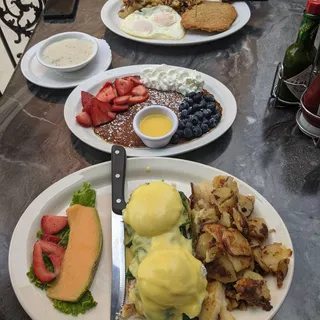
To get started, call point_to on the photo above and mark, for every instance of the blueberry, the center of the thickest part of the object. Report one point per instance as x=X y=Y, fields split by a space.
x=206 y=113
x=203 y=104
x=208 y=97
x=195 y=120
x=209 y=112
x=217 y=117
x=197 y=132
x=212 y=123
x=184 y=114
x=188 y=133
x=205 y=121
x=199 y=114
x=188 y=100
x=181 y=125
x=190 y=94
x=189 y=125
x=179 y=133
x=196 y=107
x=197 y=97
x=204 y=127
x=212 y=106
x=183 y=106
x=190 y=110
x=175 y=139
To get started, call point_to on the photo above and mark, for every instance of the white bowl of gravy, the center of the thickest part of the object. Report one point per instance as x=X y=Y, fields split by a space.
x=155 y=125
x=68 y=51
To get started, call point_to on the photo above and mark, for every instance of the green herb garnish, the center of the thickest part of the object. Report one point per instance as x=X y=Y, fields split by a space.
x=84 y=196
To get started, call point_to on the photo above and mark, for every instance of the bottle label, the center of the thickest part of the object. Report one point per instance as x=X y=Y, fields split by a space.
x=298 y=83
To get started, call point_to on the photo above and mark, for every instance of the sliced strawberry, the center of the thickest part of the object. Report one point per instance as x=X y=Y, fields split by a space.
x=50 y=237
x=53 y=224
x=135 y=81
x=98 y=116
x=56 y=261
x=112 y=115
x=107 y=84
x=121 y=100
x=84 y=119
x=38 y=266
x=49 y=247
x=138 y=99
x=120 y=108
x=139 y=90
x=103 y=105
x=106 y=94
x=123 y=86
x=115 y=91
x=86 y=98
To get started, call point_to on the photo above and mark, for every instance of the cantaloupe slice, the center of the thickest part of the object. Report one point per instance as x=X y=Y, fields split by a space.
x=82 y=254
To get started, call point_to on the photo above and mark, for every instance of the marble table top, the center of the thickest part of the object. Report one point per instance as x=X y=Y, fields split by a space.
x=264 y=148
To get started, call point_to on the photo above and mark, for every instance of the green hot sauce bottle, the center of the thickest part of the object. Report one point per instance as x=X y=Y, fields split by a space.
x=299 y=57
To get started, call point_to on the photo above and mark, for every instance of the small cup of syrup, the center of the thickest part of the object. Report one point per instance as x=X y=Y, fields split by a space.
x=155 y=125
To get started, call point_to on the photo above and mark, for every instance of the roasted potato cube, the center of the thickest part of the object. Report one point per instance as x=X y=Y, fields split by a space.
x=254 y=292
x=221 y=269
x=225 y=181
x=220 y=195
x=240 y=222
x=240 y=262
x=232 y=304
x=212 y=254
x=270 y=256
x=128 y=310
x=225 y=314
x=235 y=243
x=282 y=271
x=216 y=230
x=212 y=304
x=245 y=204
x=228 y=205
x=202 y=190
x=225 y=219
x=258 y=229
x=203 y=244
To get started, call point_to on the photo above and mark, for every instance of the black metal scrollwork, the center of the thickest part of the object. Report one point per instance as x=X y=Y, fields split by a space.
x=14 y=20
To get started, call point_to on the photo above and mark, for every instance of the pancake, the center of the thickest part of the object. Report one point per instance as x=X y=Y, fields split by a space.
x=209 y=16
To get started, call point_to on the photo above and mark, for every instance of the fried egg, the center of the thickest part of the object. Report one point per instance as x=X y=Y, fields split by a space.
x=160 y=22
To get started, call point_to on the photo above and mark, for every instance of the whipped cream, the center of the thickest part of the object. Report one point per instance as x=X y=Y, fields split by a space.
x=166 y=78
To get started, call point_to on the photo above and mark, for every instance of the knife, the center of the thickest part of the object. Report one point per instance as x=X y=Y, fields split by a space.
x=118 y=172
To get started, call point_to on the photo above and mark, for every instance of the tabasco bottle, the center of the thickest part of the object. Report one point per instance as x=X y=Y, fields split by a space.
x=299 y=57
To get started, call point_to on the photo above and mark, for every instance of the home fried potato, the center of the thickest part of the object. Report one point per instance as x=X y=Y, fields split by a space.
x=258 y=229
x=235 y=243
x=240 y=262
x=221 y=269
x=240 y=221
x=245 y=204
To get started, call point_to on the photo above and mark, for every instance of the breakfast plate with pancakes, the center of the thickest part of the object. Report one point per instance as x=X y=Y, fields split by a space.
x=168 y=25
x=165 y=177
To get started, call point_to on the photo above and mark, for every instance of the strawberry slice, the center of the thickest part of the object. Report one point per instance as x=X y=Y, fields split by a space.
x=112 y=115
x=135 y=80
x=123 y=86
x=107 y=93
x=104 y=106
x=38 y=266
x=120 y=108
x=100 y=117
x=56 y=261
x=50 y=237
x=49 y=247
x=138 y=99
x=139 y=90
x=86 y=98
x=84 y=119
x=121 y=100
x=53 y=224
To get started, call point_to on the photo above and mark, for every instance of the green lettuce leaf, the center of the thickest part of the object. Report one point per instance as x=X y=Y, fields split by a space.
x=64 y=235
x=75 y=308
x=39 y=234
x=84 y=196
x=33 y=279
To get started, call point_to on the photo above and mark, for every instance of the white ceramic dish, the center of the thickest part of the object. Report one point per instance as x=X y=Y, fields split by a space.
x=56 y=199
x=65 y=36
x=73 y=107
x=45 y=77
x=155 y=142
x=109 y=16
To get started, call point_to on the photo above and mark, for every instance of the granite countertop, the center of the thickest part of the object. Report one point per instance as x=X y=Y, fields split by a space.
x=264 y=148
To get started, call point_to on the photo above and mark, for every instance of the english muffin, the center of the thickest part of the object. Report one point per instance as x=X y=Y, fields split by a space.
x=209 y=16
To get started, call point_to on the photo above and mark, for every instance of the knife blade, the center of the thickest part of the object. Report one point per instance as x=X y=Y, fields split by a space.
x=118 y=172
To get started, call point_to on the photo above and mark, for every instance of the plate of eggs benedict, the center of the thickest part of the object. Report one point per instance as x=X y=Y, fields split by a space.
x=199 y=244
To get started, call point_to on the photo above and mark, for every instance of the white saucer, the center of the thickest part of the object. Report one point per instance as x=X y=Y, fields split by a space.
x=306 y=127
x=45 y=77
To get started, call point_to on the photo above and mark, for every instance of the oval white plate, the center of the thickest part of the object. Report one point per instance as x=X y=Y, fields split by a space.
x=109 y=16
x=73 y=107
x=45 y=77
x=56 y=199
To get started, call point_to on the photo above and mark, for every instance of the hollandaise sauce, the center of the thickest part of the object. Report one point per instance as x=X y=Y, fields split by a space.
x=155 y=125
x=169 y=280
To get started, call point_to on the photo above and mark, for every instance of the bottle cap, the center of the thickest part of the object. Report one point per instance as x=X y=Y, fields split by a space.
x=313 y=7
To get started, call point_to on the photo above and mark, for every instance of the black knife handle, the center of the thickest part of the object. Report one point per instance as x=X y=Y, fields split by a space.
x=118 y=172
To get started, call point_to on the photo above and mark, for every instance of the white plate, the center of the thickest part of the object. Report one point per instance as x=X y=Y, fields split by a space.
x=109 y=16
x=73 y=107
x=48 y=78
x=56 y=199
